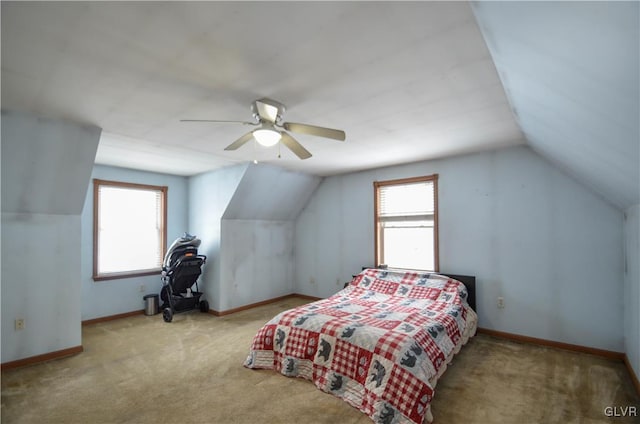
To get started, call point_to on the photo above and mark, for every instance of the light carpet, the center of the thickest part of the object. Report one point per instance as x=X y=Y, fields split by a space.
x=142 y=370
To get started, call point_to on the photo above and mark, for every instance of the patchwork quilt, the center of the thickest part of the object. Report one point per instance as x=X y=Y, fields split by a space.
x=380 y=344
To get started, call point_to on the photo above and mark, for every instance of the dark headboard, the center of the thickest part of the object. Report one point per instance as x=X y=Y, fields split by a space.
x=470 y=283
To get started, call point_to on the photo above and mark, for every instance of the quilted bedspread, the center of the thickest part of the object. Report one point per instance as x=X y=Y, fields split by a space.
x=380 y=344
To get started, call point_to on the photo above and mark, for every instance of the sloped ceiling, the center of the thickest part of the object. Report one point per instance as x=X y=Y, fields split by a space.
x=270 y=193
x=46 y=164
x=571 y=73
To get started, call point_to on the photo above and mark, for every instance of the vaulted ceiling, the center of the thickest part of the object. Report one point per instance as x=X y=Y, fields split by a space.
x=571 y=72
x=406 y=81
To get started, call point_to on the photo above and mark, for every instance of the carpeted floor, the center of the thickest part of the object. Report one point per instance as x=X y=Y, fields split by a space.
x=142 y=370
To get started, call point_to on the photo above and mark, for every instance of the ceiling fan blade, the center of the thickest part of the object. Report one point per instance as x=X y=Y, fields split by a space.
x=294 y=146
x=314 y=130
x=239 y=142
x=218 y=121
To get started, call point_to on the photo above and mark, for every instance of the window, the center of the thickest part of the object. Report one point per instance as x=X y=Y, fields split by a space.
x=406 y=223
x=129 y=232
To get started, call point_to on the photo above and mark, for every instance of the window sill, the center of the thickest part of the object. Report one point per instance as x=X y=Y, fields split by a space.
x=126 y=274
x=420 y=271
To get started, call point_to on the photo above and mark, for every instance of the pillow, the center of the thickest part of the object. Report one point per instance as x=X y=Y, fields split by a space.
x=397 y=276
x=409 y=284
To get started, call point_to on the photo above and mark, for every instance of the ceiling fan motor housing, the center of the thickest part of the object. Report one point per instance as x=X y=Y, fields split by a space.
x=268 y=110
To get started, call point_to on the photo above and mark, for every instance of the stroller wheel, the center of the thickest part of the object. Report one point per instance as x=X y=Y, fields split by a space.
x=167 y=314
x=204 y=306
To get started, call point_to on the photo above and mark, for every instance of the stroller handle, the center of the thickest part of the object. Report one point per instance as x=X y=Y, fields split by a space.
x=183 y=259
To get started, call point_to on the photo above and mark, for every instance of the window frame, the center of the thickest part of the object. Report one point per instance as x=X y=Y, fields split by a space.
x=163 y=190
x=433 y=178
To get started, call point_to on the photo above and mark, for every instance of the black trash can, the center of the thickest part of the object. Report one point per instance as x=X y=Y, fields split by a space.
x=151 y=302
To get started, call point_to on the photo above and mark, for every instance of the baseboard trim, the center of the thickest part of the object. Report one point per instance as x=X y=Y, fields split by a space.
x=211 y=311
x=619 y=356
x=634 y=377
x=261 y=303
x=112 y=317
x=306 y=296
x=41 y=358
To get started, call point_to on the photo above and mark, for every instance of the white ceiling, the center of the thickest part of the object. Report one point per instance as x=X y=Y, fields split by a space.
x=406 y=81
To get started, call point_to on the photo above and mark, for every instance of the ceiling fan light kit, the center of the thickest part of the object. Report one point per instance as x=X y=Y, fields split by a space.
x=268 y=114
x=267 y=136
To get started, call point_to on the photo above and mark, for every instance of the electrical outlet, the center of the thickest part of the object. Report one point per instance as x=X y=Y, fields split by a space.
x=19 y=324
x=501 y=302
x=312 y=280
x=142 y=288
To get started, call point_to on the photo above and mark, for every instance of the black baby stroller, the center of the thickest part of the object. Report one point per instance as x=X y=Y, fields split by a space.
x=180 y=271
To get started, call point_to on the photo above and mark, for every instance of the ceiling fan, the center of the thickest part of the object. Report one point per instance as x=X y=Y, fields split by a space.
x=268 y=114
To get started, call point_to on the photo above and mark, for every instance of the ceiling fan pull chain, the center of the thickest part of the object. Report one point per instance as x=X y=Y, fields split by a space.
x=255 y=161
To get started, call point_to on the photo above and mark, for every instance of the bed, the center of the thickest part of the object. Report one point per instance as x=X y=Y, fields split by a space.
x=380 y=344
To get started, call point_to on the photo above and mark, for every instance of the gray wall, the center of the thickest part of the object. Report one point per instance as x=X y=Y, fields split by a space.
x=245 y=217
x=209 y=195
x=258 y=234
x=632 y=287
x=548 y=245
x=46 y=165
x=257 y=261
x=111 y=297
x=552 y=248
